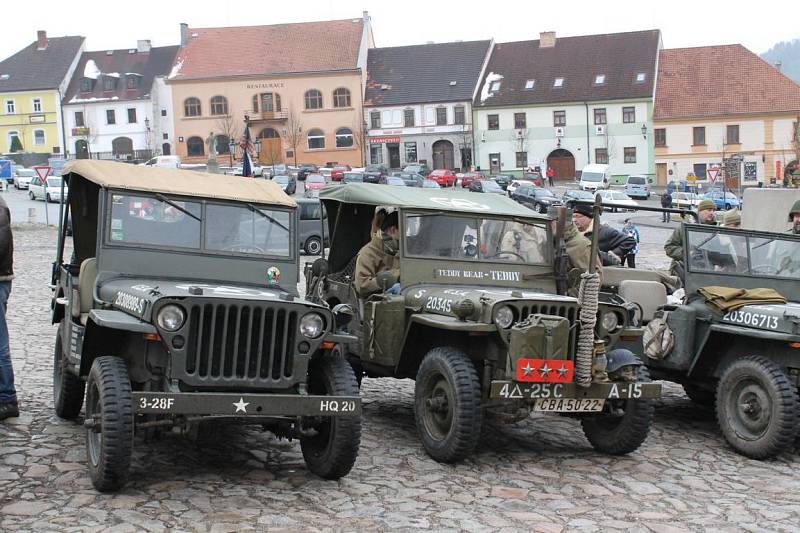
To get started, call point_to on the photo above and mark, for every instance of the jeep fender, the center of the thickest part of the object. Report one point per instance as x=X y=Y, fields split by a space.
x=106 y=333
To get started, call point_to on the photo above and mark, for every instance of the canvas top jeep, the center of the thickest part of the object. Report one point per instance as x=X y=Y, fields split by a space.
x=179 y=305
x=481 y=323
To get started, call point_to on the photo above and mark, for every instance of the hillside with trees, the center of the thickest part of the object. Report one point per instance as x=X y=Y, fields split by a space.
x=788 y=53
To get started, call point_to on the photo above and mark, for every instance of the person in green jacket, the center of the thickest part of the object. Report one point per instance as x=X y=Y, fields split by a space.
x=674 y=245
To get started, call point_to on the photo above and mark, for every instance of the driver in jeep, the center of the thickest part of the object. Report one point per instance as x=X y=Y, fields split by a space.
x=379 y=254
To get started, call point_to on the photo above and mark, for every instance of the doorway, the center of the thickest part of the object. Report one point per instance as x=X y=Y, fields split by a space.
x=271 y=147
x=494 y=163
x=165 y=149
x=563 y=164
x=394 y=155
x=443 y=155
x=81 y=149
x=661 y=174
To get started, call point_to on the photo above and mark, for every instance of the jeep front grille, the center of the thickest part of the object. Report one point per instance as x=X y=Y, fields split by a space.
x=233 y=344
x=524 y=309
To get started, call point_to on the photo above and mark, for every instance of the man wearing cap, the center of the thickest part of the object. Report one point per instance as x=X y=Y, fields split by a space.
x=674 y=245
x=794 y=218
x=732 y=219
x=612 y=245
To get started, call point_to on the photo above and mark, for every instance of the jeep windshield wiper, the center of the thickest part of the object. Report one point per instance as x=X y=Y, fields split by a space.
x=177 y=206
x=268 y=217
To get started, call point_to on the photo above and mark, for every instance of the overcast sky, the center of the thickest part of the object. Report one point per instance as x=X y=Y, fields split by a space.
x=110 y=25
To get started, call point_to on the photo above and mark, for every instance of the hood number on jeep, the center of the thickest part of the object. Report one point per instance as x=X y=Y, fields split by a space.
x=129 y=302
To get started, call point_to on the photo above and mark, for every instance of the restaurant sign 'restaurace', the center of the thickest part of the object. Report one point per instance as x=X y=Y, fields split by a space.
x=376 y=140
x=269 y=85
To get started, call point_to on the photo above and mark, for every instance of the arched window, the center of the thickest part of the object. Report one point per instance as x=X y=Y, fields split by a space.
x=341 y=97
x=219 y=105
x=344 y=138
x=313 y=99
x=222 y=144
x=316 y=139
x=268 y=133
x=194 y=146
x=191 y=107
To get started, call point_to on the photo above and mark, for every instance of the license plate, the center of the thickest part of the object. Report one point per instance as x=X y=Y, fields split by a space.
x=569 y=405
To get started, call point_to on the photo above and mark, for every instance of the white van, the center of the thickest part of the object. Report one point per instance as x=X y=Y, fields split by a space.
x=594 y=177
x=165 y=161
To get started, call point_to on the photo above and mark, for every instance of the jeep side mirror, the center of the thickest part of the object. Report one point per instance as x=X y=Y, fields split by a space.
x=385 y=280
x=343 y=314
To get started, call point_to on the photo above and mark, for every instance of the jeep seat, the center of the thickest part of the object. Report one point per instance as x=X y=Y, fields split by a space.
x=86 y=279
x=614 y=276
x=649 y=294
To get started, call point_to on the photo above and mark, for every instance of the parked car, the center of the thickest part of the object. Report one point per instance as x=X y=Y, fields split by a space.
x=23 y=177
x=164 y=161
x=430 y=184
x=417 y=168
x=373 y=173
x=394 y=180
x=723 y=199
x=577 y=194
x=305 y=170
x=325 y=171
x=410 y=179
x=618 y=198
x=594 y=177
x=486 y=186
x=637 y=186
x=527 y=179
x=287 y=183
x=51 y=192
x=354 y=177
x=503 y=180
x=443 y=176
x=537 y=198
x=535 y=177
x=310 y=230
x=467 y=178
x=314 y=182
x=685 y=200
x=338 y=171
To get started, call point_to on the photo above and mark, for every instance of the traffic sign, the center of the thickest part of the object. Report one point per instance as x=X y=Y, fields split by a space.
x=42 y=172
x=712 y=173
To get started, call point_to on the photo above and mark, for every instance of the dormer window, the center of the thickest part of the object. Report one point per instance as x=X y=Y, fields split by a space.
x=641 y=77
x=86 y=85
x=558 y=82
x=495 y=86
x=600 y=79
x=109 y=83
x=530 y=84
x=133 y=81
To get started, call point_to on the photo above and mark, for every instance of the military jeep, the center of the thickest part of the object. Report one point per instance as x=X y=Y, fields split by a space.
x=179 y=306
x=484 y=331
x=742 y=357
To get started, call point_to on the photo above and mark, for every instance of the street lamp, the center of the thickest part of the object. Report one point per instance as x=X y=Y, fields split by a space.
x=231 y=149
x=644 y=131
x=258 y=147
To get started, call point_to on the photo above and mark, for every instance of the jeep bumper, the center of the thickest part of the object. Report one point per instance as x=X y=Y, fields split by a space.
x=244 y=405
x=518 y=390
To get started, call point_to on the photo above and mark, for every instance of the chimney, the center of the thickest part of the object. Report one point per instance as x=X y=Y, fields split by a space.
x=547 y=39
x=41 y=37
x=779 y=65
x=184 y=34
x=143 y=45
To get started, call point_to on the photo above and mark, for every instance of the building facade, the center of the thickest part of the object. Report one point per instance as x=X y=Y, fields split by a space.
x=31 y=84
x=301 y=97
x=568 y=102
x=722 y=112
x=418 y=103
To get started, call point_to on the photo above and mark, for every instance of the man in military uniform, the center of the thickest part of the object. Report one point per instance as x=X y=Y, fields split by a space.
x=379 y=254
x=674 y=245
x=794 y=218
x=527 y=242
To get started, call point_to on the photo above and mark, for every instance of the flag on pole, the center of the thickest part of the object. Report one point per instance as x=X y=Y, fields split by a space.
x=247 y=149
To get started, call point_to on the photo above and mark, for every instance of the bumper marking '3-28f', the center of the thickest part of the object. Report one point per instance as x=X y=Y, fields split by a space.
x=224 y=404
x=514 y=390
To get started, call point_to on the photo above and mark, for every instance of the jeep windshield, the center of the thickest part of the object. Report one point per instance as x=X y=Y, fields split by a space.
x=209 y=227
x=476 y=239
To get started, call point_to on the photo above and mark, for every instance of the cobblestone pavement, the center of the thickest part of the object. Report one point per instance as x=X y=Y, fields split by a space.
x=539 y=474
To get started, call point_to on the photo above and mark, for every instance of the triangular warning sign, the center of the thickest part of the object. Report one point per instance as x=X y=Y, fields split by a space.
x=42 y=172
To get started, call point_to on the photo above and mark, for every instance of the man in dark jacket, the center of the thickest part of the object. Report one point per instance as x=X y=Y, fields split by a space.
x=612 y=245
x=666 y=202
x=8 y=394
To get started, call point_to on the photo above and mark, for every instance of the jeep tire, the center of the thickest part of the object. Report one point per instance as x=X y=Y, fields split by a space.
x=68 y=389
x=109 y=414
x=313 y=246
x=699 y=395
x=332 y=452
x=621 y=434
x=757 y=407
x=447 y=404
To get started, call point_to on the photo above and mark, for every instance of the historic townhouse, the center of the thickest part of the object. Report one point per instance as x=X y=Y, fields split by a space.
x=723 y=107
x=566 y=102
x=299 y=87
x=117 y=105
x=32 y=82
x=418 y=103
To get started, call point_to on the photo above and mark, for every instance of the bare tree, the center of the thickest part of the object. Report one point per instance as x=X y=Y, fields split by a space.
x=360 y=135
x=230 y=128
x=293 y=131
x=466 y=147
x=611 y=148
x=520 y=138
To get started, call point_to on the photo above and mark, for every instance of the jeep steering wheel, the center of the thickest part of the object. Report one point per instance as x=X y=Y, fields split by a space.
x=765 y=268
x=501 y=252
x=243 y=248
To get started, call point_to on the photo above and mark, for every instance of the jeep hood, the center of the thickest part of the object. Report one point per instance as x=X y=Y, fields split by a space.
x=781 y=318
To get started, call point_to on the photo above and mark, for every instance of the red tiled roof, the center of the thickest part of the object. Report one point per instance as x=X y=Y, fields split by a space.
x=720 y=80
x=262 y=50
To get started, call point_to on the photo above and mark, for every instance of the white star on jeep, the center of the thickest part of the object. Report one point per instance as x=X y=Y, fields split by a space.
x=527 y=369
x=241 y=405
x=562 y=372
x=545 y=370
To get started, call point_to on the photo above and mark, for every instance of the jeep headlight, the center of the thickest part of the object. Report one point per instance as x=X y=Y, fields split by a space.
x=171 y=317
x=311 y=325
x=609 y=321
x=504 y=316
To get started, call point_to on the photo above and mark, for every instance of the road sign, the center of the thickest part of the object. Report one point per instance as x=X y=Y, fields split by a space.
x=712 y=173
x=42 y=172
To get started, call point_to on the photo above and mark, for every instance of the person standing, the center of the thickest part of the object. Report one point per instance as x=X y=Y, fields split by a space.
x=632 y=231
x=612 y=245
x=8 y=394
x=666 y=202
x=550 y=174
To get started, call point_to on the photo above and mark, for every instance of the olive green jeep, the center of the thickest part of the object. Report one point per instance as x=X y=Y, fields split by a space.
x=483 y=324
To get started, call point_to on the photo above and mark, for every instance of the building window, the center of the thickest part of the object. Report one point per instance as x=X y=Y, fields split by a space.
x=316 y=139
x=109 y=83
x=195 y=146
x=37 y=105
x=166 y=136
x=661 y=136
x=700 y=170
x=408 y=118
x=601 y=156
x=628 y=115
x=375 y=154
x=494 y=87
x=459 y=115
x=133 y=81
x=86 y=85
x=341 y=98
x=641 y=77
x=219 y=105
x=14 y=142
x=313 y=99
x=600 y=115
x=522 y=159
x=38 y=137
x=268 y=133
x=699 y=136
x=375 y=120
x=132 y=115
x=269 y=102
x=630 y=154
x=191 y=107
x=559 y=118
x=494 y=122
x=79 y=121
x=732 y=134
x=558 y=82
x=411 y=152
x=530 y=84
x=441 y=116
x=344 y=138
x=163 y=112
x=600 y=79
x=111 y=117
x=520 y=121
x=11 y=107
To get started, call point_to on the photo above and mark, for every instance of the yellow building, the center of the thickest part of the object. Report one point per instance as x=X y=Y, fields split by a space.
x=31 y=84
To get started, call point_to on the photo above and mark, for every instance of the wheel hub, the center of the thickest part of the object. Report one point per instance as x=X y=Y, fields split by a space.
x=752 y=409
